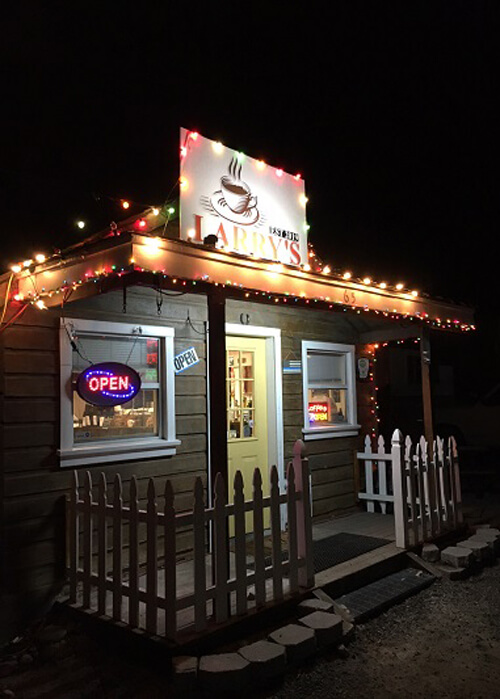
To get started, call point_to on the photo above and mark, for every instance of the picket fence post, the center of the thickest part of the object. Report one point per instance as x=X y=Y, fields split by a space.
x=400 y=493
x=370 y=504
x=304 y=518
x=455 y=476
x=117 y=548
x=258 y=538
x=74 y=535
x=220 y=549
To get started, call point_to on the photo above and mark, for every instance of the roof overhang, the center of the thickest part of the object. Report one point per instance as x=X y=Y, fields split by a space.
x=53 y=281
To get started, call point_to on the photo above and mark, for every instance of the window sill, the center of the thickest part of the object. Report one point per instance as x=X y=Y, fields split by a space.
x=129 y=450
x=330 y=432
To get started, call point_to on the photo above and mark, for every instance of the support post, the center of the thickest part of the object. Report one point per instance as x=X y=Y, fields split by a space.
x=400 y=490
x=425 y=362
x=217 y=386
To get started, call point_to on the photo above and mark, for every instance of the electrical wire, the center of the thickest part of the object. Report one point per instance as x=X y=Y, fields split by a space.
x=6 y=299
x=14 y=318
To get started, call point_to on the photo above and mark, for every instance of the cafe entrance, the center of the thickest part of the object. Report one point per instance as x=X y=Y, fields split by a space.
x=253 y=399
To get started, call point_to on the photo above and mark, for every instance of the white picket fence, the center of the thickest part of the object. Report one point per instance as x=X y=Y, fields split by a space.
x=422 y=483
x=152 y=590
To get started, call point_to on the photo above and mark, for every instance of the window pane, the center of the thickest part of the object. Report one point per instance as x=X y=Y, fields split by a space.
x=137 y=418
x=240 y=394
x=326 y=368
x=141 y=353
x=327 y=406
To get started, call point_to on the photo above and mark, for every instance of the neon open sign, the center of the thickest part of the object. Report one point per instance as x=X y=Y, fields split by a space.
x=108 y=384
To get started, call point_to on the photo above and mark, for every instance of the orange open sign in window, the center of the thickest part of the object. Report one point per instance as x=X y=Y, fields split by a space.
x=319 y=411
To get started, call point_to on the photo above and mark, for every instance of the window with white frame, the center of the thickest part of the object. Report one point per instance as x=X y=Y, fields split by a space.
x=329 y=389
x=141 y=427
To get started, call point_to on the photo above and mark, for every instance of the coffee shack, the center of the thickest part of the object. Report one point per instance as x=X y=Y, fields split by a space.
x=188 y=341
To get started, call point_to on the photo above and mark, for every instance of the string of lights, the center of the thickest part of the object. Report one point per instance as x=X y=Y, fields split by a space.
x=37 y=298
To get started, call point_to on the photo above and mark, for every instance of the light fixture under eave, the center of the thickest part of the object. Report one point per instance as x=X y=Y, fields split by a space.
x=347 y=275
x=399 y=286
x=367 y=280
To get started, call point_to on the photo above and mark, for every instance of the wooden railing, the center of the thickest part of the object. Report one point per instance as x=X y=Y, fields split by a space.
x=122 y=559
x=422 y=483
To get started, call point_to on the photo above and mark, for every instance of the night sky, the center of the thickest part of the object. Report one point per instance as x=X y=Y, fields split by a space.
x=387 y=109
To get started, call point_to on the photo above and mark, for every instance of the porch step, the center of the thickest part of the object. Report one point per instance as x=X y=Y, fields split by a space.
x=378 y=596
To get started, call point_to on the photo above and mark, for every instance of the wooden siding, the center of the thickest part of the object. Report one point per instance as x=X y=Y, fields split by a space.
x=331 y=460
x=33 y=483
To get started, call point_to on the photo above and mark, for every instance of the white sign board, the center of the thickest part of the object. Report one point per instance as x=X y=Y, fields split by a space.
x=253 y=208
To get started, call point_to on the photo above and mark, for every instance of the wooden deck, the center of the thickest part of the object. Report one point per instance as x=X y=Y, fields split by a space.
x=365 y=523
x=372 y=524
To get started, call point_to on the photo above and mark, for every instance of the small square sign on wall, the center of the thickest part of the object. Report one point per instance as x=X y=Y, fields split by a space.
x=185 y=360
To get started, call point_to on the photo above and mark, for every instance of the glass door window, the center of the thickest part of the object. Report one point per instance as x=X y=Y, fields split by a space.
x=240 y=383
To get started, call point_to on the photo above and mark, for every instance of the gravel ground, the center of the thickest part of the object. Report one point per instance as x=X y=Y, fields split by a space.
x=444 y=642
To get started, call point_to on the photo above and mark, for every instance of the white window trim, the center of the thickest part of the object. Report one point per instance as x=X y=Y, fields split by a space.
x=349 y=428
x=117 y=450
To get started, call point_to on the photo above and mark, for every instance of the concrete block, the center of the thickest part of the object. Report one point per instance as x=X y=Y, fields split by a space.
x=298 y=641
x=480 y=550
x=267 y=660
x=224 y=672
x=430 y=553
x=185 y=669
x=314 y=605
x=456 y=556
x=327 y=627
x=450 y=572
x=348 y=631
x=339 y=609
x=490 y=536
x=51 y=634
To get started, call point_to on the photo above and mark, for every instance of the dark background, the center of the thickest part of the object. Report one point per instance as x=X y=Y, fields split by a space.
x=388 y=109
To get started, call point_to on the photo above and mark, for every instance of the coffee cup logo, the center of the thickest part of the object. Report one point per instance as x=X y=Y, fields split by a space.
x=235 y=201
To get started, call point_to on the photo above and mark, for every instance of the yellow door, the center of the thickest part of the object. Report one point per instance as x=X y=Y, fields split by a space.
x=247 y=418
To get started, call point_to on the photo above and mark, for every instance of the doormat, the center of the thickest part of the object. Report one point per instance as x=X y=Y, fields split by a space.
x=338 y=548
